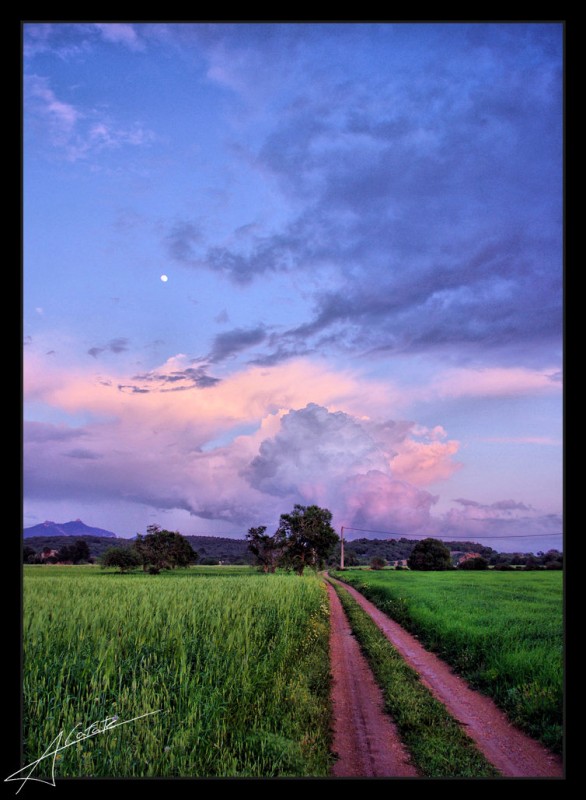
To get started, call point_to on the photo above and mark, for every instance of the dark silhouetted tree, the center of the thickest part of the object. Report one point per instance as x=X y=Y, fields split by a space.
x=162 y=549
x=430 y=554
x=76 y=552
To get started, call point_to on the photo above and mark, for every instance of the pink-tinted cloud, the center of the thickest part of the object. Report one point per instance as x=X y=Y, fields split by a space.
x=173 y=437
x=378 y=501
x=495 y=382
x=245 y=448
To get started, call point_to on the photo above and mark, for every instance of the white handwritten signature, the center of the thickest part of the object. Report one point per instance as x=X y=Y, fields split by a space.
x=74 y=736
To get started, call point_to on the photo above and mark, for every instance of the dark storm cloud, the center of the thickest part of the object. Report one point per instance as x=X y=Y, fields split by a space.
x=433 y=188
x=119 y=345
x=190 y=378
x=232 y=342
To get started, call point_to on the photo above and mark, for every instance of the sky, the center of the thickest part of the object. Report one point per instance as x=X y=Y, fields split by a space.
x=277 y=263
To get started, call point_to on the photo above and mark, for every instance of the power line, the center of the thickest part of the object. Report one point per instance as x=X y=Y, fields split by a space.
x=468 y=538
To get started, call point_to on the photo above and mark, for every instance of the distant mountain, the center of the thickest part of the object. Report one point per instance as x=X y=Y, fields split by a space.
x=74 y=528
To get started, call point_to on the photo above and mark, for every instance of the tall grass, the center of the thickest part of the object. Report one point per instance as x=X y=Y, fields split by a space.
x=238 y=664
x=502 y=631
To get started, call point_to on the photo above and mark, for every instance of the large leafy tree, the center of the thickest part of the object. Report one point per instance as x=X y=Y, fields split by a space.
x=305 y=538
x=430 y=554
x=162 y=549
x=265 y=548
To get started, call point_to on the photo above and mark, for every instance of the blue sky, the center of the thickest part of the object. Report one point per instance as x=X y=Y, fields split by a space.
x=361 y=229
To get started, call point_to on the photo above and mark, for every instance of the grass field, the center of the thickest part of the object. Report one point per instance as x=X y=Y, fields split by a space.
x=502 y=631
x=237 y=662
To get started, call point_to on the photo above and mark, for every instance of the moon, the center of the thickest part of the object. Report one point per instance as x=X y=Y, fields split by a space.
x=164 y=278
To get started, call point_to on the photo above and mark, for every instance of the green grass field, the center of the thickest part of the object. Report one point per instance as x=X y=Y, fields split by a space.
x=502 y=631
x=237 y=662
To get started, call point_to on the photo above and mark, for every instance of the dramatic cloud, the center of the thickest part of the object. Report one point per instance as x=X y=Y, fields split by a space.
x=349 y=466
x=361 y=225
x=380 y=165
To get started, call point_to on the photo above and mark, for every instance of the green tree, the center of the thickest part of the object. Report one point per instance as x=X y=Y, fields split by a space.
x=123 y=558
x=76 y=552
x=430 y=554
x=162 y=549
x=377 y=563
x=265 y=548
x=305 y=538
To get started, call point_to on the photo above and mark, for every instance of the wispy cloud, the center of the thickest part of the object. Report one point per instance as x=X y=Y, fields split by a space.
x=119 y=345
x=121 y=33
x=78 y=133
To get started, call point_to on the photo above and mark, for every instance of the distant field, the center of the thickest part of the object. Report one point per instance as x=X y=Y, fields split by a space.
x=502 y=631
x=237 y=661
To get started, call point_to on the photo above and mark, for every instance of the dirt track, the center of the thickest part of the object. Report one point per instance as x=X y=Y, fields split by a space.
x=365 y=738
x=512 y=752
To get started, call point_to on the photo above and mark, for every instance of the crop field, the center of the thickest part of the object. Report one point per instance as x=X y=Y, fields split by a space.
x=502 y=631
x=236 y=663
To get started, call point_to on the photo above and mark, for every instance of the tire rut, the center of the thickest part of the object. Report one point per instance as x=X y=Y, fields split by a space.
x=365 y=738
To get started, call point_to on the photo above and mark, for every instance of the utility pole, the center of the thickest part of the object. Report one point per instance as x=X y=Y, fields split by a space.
x=342 y=549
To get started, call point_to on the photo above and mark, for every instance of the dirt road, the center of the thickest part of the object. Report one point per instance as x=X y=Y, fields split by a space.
x=512 y=752
x=365 y=738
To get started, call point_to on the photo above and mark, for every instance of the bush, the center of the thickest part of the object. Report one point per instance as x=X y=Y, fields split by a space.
x=124 y=558
x=474 y=563
x=377 y=563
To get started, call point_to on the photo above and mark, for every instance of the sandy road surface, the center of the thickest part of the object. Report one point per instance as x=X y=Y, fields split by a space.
x=365 y=738
x=512 y=752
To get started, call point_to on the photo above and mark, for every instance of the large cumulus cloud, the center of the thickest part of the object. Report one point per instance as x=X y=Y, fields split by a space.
x=345 y=464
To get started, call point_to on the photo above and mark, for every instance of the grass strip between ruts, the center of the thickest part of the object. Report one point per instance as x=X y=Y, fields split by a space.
x=438 y=745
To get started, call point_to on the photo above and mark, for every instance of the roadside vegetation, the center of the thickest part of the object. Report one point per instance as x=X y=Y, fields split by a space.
x=437 y=743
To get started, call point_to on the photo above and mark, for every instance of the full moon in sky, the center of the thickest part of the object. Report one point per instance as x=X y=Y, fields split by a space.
x=164 y=278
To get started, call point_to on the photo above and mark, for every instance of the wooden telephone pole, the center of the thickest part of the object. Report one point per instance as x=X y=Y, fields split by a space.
x=342 y=548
